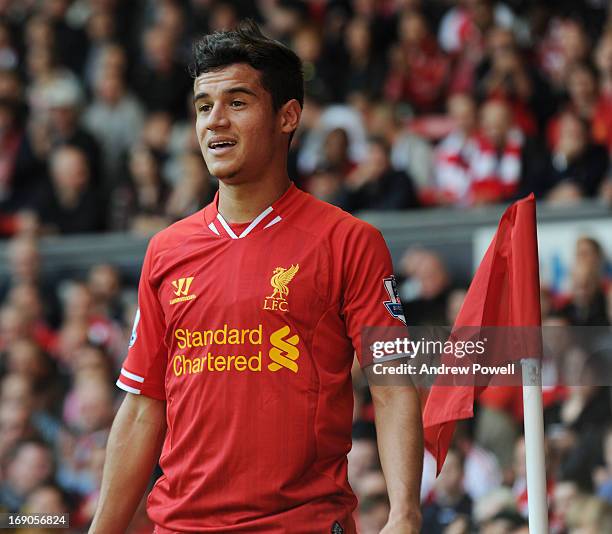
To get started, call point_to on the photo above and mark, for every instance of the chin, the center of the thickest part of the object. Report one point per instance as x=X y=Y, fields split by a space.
x=223 y=171
x=227 y=175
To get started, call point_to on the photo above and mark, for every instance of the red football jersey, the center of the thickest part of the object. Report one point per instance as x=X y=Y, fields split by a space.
x=248 y=332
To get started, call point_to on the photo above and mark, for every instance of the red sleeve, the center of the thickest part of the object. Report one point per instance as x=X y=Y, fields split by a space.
x=144 y=368
x=370 y=297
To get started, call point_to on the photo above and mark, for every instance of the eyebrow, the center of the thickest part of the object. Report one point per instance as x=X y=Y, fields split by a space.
x=232 y=90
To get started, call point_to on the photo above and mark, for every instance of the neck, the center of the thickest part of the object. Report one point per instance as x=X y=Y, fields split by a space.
x=241 y=203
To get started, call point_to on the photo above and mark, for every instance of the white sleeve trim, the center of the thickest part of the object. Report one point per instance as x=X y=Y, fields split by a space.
x=132 y=376
x=129 y=389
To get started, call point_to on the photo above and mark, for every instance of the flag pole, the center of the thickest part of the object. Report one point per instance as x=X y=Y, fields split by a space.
x=534 y=446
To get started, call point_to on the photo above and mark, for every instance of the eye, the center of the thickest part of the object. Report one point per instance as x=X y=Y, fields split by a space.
x=237 y=103
x=204 y=108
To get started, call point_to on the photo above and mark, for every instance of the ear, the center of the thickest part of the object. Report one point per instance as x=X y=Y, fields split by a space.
x=290 y=115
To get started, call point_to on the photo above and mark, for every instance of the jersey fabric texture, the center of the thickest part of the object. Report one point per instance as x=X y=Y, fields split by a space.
x=248 y=333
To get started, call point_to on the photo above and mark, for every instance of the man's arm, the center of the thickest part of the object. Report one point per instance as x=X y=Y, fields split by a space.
x=400 y=444
x=133 y=449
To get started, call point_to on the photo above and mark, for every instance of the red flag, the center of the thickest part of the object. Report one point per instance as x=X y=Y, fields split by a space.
x=505 y=291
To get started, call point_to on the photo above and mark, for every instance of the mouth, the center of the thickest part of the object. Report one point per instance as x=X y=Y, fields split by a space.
x=221 y=146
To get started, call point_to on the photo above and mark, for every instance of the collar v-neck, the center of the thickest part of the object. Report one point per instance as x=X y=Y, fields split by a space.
x=267 y=218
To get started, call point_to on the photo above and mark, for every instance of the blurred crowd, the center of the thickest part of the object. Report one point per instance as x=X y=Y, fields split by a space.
x=482 y=486
x=410 y=104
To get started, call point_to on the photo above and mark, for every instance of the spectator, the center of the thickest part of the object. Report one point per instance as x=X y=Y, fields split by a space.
x=24 y=263
x=16 y=181
x=602 y=475
x=15 y=426
x=374 y=184
x=80 y=309
x=504 y=74
x=448 y=499
x=336 y=154
x=93 y=416
x=498 y=420
x=496 y=165
x=519 y=486
x=454 y=153
x=69 y=204
x=115 y=117
x=320 y=73
x=465 y=25
x=578 y=167
x=100 y=32
x=363 y=456
x=24 y=357
x=583 y=96
x=112 y=60
x=409 y=152
x=71 y=42
x=317 y=121
x=46 y=499
x=373 y=513
x=11 y=87
x=138 y=204
x=499 y=501
x=602 y=123
x=26 y=298
x=590 y=252
x=590 y=514
x=14 y=326
x=29 y=466
x=8 y=51
x=565 y=494
x=72 y=336
x=325 y=184
x=588 y=302
x=193 y=191
x=19 y=394
x=104 y=284
x=481 y=469
x=364 y=68
x=425 y=291
x=61 y=102
x=418 y=70
x=161 y=82
x=584 y=415
x=566 y=43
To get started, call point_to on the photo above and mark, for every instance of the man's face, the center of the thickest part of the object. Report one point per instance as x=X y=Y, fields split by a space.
x=495 y=122
x=238 y=131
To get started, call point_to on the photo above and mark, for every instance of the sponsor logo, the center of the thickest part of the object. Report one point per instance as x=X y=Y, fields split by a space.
x=279 y=282
x=181 y=290
x=284 y=351
x=394 y=304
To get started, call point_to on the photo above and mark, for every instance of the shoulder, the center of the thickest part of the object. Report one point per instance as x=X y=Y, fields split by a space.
x=329 y=221
x=346 y=236
x=174 y=235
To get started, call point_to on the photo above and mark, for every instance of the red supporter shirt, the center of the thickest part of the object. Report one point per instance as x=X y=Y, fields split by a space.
x=248 y=333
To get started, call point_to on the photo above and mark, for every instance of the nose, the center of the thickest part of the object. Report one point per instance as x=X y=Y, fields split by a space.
x=217 y=118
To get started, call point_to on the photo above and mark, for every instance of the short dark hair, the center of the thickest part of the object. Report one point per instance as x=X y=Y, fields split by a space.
x=280 y=67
